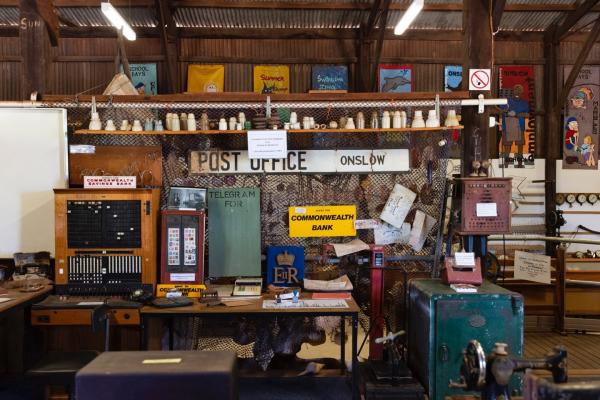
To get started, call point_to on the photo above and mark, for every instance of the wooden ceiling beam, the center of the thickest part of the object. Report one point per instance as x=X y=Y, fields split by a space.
x=295 y=33
x=583 y=55
x=169 y=35
x=497 y=11
x=49 y=15
x=573 y=17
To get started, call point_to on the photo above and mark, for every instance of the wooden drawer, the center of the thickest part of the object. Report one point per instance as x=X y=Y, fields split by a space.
x=119 y=316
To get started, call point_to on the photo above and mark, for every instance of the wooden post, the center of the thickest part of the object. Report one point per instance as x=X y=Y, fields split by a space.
x=477 y=54
x=551 y=136
x=33 y=37
x=561 y=276
x=123 y=54
x=554 y=102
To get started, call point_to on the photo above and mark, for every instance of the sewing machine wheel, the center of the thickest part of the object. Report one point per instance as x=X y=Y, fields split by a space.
x=473 y=367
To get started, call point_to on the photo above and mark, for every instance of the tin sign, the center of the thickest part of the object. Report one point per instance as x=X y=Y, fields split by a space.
x=109 y=182
x=322 y=221
x=301 y=161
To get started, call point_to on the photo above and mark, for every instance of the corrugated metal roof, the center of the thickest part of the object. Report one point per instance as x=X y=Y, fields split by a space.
x=92 y=16
x=266 y=18
x=444 y=20
x=9 y=16
x=297 y=18
x=567 y=2
x=528 y=21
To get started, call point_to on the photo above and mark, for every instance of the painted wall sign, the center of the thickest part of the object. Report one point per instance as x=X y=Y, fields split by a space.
x=143 y=77
x=517 y=84
x=271 y=79
x=395 y=78
x=330 y=77
x=452 y=78
x=300 y=161
x=321 y=221
x=582 y=123
x=285 y=265
x=206 y=78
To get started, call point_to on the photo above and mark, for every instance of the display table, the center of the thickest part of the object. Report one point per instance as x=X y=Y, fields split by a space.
x=12 y=326
x=20 y=299
x=256 y=309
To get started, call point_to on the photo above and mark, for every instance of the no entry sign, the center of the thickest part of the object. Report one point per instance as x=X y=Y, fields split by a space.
x=480 y=79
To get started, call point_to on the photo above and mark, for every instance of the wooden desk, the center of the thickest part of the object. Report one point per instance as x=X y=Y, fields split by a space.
x=255 y=309
x=22 y=299
x=12 y=327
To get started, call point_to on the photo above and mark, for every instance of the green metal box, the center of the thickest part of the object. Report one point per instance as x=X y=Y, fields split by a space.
x=442 y=322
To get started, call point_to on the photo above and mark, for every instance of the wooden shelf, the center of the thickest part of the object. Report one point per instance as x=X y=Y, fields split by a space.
x=217 y=132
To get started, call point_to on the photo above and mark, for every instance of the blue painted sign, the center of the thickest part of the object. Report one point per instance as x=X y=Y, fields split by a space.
x=285 y=265
x=395 y=78
x=452 y=77
x=143 y=77
x=330 y=77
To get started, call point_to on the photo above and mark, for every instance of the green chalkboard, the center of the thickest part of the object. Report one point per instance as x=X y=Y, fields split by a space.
x=234 y=232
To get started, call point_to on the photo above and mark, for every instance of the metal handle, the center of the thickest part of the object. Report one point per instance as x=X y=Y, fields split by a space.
x=444 y=352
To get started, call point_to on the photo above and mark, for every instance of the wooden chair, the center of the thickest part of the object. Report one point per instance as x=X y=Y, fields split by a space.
x=59 y=368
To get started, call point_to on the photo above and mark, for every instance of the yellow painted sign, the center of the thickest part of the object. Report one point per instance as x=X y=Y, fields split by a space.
x=271 y=79
x=320 y=221
x=205 y=78
x=186 y=290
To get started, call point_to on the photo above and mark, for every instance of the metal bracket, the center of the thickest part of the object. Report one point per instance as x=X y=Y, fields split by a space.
x=481 y=107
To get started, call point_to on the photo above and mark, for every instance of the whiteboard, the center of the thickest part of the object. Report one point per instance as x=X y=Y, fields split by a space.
x=33 y=161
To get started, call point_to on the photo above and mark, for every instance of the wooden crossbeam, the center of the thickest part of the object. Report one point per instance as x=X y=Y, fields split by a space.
x=579 y=61
x=168 y=33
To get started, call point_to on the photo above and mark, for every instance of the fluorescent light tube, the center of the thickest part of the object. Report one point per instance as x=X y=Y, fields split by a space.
x=409 y=16
x=117 y=20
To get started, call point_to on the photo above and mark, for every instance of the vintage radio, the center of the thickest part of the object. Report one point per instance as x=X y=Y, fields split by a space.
x=485 y=206
x=182 y=255
x=105 y=240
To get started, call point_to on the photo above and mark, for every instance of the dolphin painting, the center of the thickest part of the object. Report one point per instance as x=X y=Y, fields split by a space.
x=392 y=83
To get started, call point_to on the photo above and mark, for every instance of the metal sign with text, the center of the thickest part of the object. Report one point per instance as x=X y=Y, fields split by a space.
x=300 y=161
x=322 y=221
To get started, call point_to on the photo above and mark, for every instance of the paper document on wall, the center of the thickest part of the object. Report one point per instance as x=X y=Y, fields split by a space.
x=398 y=205
x=422 y=224
x=354 y=246
x=388 y=234
x=532 y=267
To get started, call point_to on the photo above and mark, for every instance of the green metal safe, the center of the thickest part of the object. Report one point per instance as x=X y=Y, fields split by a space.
x=442 y=322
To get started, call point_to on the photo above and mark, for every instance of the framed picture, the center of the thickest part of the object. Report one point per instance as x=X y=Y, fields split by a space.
x=186 y=198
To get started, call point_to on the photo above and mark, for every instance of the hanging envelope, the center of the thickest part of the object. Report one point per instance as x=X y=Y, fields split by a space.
x=422 y=225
